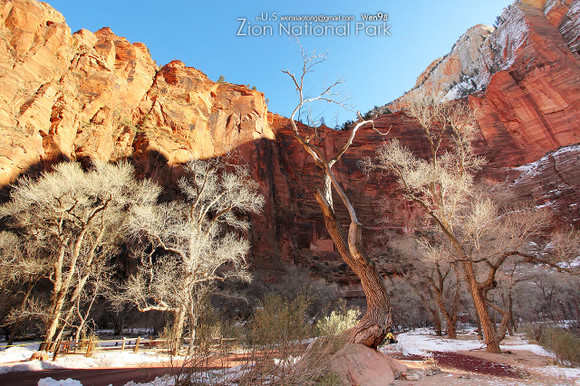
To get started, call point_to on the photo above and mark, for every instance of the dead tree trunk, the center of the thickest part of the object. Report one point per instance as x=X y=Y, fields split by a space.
x=372 y=328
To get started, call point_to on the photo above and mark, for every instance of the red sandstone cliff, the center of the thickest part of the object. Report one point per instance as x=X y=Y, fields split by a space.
x=97 y=95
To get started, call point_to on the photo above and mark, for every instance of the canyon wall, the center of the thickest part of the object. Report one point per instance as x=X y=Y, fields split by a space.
x=95 y=95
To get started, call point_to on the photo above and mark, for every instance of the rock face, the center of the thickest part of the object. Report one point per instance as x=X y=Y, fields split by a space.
x=96 y=95
x=358 y=365
x=521 y=77
x=553 y=181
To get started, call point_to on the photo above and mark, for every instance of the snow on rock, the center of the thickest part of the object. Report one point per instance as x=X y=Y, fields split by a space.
x=552 y=181
x=476 y=56
x=549 y=5
x=59 y=382
x=570 y=28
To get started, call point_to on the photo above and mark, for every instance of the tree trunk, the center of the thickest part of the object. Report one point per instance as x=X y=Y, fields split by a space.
x=372 y=328
x=450 y=320
x=118 y=323
x=177 y=332
x=479 y=332
x=452 y=316
x=53 y=322
x=436 y=322
x=193 y=330
x=492 y=345
x=452 y=329
x=79 y=330
x=510 y=309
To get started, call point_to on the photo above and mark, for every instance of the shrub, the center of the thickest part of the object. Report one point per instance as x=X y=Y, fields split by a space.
x=563 y=342
x=277 y=351
x=279 y=321
x=338 y=321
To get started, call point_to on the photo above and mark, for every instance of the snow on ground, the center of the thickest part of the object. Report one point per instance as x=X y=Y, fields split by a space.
x=58 y=382
x=560 y=372
x=224 y=376
x=165 y=380
x=517 y=343
x=423 y=341
x=16 y=359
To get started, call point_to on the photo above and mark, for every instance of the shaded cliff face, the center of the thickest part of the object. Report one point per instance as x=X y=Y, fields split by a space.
x=96 y=95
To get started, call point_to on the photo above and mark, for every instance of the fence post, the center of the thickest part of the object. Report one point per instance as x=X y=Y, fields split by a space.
x=123 y=345
x=136 y=349
x=90 y=348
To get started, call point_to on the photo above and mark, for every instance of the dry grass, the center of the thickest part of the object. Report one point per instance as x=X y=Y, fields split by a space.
x=563 y=342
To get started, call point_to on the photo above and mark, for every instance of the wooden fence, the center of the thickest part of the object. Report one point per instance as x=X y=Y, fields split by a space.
x=89 y=346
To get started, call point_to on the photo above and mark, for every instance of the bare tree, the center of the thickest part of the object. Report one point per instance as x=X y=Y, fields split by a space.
x=188 y=247
x=477 y=233
x=67 y=224
x=545 y=295
x=373 y=326
x=434 y=278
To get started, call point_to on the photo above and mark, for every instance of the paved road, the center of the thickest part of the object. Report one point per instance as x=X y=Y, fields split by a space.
x=88 y=377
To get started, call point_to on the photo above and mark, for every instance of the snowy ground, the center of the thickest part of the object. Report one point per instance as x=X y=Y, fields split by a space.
x=423 y=342
x=16 y=359
x=221 y=377
x=419 y=342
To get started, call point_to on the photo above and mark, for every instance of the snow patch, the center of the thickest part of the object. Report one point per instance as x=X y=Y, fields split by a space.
x=549 y=5
x=212 y=377
x=509 y=37
x=59 y=382
x=532 y=169
x=15 y=359
x=561 y=372
x=423 y=342
x=572 y=264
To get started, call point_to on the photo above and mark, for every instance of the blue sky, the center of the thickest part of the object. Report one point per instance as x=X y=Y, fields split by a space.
x=375 y=70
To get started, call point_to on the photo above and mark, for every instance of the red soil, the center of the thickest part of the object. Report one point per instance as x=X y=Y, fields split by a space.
x=476 y=365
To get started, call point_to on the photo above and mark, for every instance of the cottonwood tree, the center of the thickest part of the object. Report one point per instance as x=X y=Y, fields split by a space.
x=67 y=223
x=434 y=278
x=372 y=328
x=478 y=234
x=546 y=295
x=442 y=276
x=187 y=247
